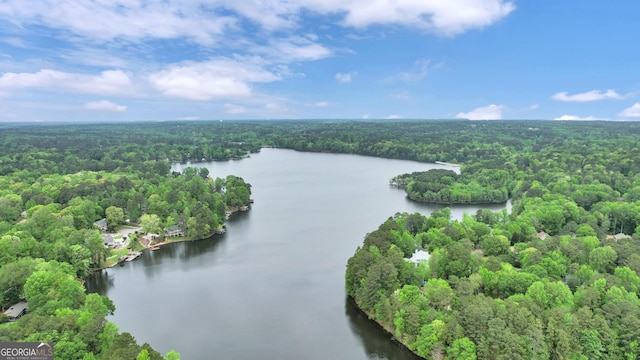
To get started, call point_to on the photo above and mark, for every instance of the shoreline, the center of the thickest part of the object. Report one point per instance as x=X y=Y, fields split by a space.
x=446 y=163
x=231 y=209
x=383 y=327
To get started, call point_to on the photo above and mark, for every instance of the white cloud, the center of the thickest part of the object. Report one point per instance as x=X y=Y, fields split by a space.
x=219 y=78
x=418 y=72
x=394 y=116
x=110 y=82
x=98 y=57
x=293 y=49
x=401 y=95
x=15 y=42
x=104 y=105
x=234 y=109
x=445 y=17
x=534 y=107
x=633 y=111
x=577 y=118
x=207 y=21
x=346 y=77
x=593 y=95
x=123 y=19
x=365 y=116
x=321 y=104
x=491 y=112
x=188 y=118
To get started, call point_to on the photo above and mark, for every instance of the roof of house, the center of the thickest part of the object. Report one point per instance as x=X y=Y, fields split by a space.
x=175 y=228
x=101 y=223
x=542 y=235
x=419 y=256
x=108 y=238
x=17 y=309
x=619 y=236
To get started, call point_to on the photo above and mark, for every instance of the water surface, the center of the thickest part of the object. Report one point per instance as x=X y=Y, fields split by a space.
x=272 y=287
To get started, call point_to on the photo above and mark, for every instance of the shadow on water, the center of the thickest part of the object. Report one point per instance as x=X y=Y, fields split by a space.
x=190 y=252
x=376 y=341
x=99 y=280
x=185 y=252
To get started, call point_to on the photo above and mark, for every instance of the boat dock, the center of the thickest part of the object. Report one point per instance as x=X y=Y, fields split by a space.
x=132 y=256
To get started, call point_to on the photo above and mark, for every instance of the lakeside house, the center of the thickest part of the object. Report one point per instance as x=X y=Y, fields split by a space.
x=174 y=231
x=16 y=311
x=108 y=240
x=419 y=256
x=102 y=224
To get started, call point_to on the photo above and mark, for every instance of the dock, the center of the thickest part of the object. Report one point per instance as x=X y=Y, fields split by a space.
x=132 y=256
x=221 y=231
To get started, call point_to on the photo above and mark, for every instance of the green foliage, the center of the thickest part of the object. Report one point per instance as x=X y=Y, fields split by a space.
x=446 y=187
x=114 y=216
x=498 y=310
x=51 y=287
x=462 y=349
x=494 y=245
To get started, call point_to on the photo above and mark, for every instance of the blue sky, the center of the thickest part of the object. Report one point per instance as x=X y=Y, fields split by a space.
x=125 y=60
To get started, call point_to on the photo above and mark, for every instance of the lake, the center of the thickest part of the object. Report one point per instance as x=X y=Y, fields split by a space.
x=272 y=287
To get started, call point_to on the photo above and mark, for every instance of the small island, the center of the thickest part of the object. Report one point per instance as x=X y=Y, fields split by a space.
x=440 y=186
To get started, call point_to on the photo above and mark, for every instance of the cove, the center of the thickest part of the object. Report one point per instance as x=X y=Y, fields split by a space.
x=272 y=287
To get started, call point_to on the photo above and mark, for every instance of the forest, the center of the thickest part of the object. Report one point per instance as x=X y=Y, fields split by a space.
x=555 y=278
x=49 y=243
x=439 y=186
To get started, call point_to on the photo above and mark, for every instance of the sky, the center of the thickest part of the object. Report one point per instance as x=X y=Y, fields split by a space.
x=134 y=60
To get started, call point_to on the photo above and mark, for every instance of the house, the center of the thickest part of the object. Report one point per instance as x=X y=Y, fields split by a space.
x=102 y=224
x=542 y=235
x=16 y=311
x=620 y=236
x=108 y=240
x=419 y=256
x=174 y=231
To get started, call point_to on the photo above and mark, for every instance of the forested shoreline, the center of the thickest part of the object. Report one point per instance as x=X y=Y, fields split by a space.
x=49 y=240
x=572 y=232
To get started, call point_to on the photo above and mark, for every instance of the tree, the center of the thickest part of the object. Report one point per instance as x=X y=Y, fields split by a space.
x=430 y=337
x=144 y=355
x=494 y=245
x=462 y=349
x=381 y=280
x=80 y=258
x=603 y=259
x=150 y=224
x=124 y=347
x=203 y=172
x=13 y=276
x=172 y=355
x=115 y=216
x=53 y=287
x=439 y=293
x=10 y=208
